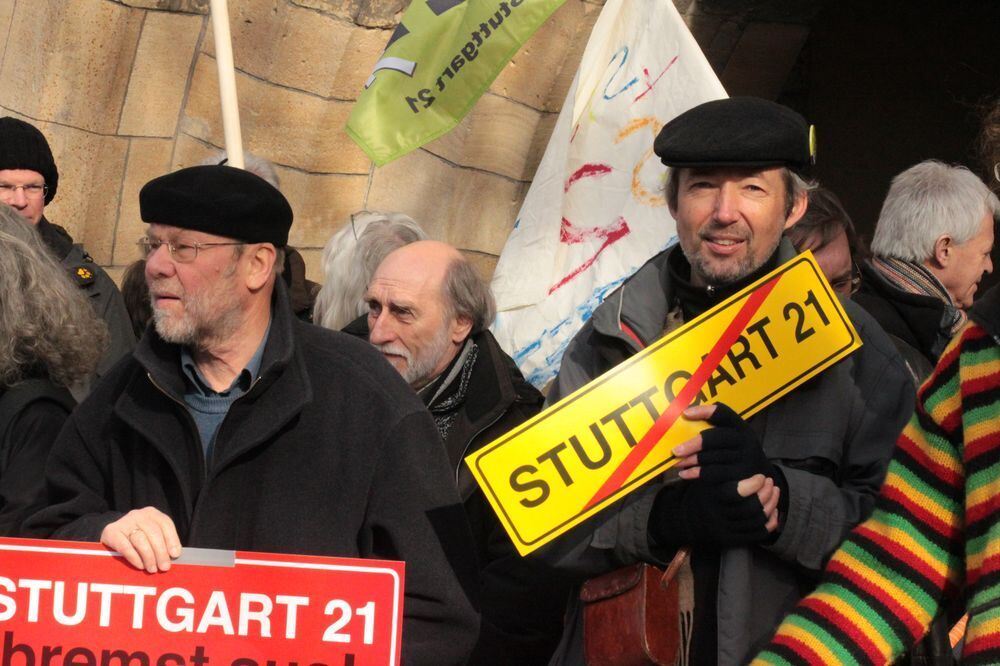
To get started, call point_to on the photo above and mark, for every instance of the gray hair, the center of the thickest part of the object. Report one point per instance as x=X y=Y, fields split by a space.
x=350 y=259
x=468 y=295
x=258 y=166
x=795 y=187
x=927 y=201
x=46 y=323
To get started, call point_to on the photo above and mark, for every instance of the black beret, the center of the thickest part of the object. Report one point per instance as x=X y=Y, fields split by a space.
x=23 y=146
x=738 y=131
x=220 y=200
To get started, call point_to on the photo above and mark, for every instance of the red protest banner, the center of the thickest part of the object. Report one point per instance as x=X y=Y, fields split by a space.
x=73 y=604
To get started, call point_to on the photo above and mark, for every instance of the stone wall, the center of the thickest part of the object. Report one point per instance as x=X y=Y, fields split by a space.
x=126 y=90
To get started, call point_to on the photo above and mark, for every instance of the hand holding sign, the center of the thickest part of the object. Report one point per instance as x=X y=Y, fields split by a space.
x=728 y=452
x=146 y=538
x=621 y=430
x=714 y=514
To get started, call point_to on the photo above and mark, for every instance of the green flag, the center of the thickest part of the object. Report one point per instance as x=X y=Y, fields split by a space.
x=443 y=55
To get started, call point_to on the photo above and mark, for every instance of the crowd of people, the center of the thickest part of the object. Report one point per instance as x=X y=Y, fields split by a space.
x=222 y=400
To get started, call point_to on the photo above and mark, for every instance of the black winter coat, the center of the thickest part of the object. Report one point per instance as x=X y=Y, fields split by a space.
x=523 y=599
x=328 y=453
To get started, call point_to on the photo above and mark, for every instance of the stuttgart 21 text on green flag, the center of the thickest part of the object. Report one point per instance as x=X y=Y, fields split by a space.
x=440 y=59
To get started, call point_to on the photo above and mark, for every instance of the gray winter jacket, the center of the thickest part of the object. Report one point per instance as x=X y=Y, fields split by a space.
x=831 y=437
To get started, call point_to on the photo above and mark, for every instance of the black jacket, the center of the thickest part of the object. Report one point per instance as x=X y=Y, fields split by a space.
x=917 y=324
x=328 y=453
x=31 y=414
x=523 y=601
x=104 y=295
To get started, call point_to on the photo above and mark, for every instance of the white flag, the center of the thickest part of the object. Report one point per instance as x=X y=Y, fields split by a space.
x=595 y=211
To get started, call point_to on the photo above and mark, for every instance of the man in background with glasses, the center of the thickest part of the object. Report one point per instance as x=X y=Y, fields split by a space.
x=28 y=183
x=234 y=425
x=931 y=248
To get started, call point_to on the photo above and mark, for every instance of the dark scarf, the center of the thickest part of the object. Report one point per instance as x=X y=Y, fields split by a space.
x=446 y=394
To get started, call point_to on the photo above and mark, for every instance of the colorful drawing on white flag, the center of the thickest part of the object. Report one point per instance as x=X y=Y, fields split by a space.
x=595 y=211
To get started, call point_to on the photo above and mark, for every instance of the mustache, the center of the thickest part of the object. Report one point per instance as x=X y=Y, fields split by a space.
x=714 y=227
x=394 y=349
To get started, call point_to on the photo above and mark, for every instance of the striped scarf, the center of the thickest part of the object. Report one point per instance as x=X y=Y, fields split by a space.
x=935 y=529
x=913 y=278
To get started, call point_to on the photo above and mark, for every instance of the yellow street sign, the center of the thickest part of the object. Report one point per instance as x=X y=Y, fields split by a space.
x=614 y=434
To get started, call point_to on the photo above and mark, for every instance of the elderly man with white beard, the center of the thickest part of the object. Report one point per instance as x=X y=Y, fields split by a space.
x=236 y=426
x=428 y=313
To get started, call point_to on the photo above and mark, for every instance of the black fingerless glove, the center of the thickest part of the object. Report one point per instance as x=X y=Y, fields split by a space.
x=695 y=513
x=731 y=450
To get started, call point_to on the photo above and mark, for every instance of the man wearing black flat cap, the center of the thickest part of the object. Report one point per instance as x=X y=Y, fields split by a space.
x=29 y=180
x=236 y=426
x=760 y=503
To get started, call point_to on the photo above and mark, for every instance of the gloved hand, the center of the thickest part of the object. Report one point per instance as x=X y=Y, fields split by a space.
x=700 y=513
x=730 y=451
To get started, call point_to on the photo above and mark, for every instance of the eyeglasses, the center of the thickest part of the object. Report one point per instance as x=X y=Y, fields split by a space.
x=183 y=253
x=33 y=191
x=849 y=284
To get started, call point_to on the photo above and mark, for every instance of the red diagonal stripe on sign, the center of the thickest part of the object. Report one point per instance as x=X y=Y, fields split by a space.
x=686 y=395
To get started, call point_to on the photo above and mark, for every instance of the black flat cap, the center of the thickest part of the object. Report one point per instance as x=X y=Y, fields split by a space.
x=220 y=200
x=738 y=131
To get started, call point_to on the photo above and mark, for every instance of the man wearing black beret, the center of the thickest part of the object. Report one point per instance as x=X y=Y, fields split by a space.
x=236 y=426
x=28 y=183
x=761 y=503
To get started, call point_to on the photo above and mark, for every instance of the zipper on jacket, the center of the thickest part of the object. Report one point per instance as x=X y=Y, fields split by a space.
x=468 y=442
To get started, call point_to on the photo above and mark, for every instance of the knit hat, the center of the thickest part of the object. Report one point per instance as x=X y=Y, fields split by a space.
x=23 y=146
x=220 y=200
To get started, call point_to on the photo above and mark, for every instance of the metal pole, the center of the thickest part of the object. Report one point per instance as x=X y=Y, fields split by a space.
x=227 y=83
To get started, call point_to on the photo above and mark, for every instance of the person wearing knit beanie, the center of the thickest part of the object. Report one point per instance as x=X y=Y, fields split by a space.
x=29 y=180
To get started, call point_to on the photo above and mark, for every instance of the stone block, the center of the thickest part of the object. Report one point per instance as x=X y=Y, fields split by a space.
x=187 y=6
x=496 y=136
x=69 y=62
x=763 y=58
x=470 y=209
x=159 y=77
x=91 y=168
x=369 y=13
x=484 y=264
x=147 y=159
x=541 y=72
x=306 y=50
x=539 y=142
x=288 y=127
x=314 y=265
x=189 y=151
x=321 y=204
x=6 y=14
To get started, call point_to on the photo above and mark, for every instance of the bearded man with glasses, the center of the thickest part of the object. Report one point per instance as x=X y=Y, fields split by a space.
x=28 y=183
x=236 y=426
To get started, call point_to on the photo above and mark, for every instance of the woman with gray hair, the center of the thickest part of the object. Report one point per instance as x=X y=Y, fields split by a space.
x=50 y=340
x=351 y=257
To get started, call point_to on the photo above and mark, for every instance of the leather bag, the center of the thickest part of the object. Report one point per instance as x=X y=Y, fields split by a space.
x=630 y=616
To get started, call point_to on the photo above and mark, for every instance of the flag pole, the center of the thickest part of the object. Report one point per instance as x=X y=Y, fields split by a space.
x=227 y=83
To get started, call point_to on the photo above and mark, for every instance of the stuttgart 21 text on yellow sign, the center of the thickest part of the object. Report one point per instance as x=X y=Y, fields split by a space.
x=617 y=432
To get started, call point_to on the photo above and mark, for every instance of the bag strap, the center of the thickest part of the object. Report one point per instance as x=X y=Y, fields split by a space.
x=675 y=565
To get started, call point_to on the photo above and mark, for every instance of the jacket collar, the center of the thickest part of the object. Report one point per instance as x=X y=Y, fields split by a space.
x=56 y=238
x=276 y=396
